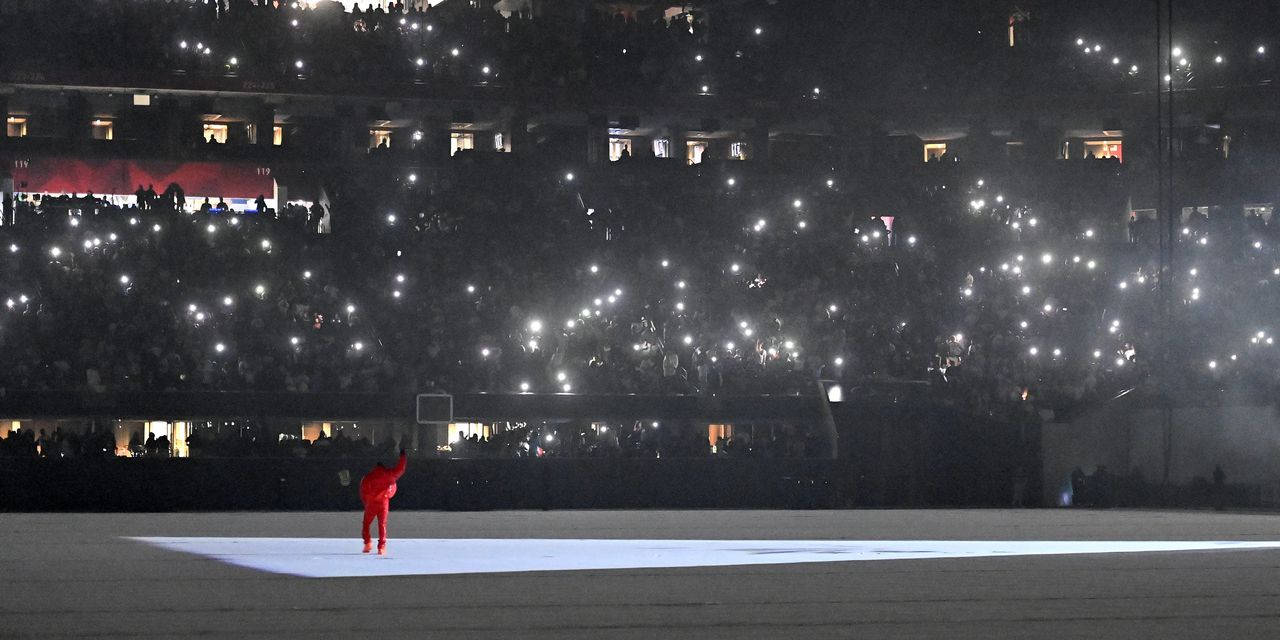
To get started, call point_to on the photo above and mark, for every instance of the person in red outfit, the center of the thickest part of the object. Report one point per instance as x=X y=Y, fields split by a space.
x=376 y=489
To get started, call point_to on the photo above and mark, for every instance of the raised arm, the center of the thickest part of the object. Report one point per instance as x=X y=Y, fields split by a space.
x=399 y=469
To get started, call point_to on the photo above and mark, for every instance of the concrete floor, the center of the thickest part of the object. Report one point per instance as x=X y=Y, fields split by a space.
x=78 y=575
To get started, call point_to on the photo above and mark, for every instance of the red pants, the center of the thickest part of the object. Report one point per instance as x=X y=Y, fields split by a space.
x=377 y=510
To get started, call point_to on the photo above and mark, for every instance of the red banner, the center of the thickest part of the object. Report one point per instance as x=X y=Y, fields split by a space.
x=123 y=177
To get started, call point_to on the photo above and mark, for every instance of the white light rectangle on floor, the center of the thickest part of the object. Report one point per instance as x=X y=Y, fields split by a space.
x=342 y=557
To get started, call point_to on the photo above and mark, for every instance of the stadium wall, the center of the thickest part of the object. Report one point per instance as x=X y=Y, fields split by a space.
x=1131 y=442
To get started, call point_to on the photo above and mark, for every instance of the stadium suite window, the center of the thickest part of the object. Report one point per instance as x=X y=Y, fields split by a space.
x=277 y=135
x=617 y=146
x=176 y=432
x=215 y=131
x=694 y=150
x=379 y=138
x=1265 y=210
x=313 y=430
x=662 y=148
x=458 y=430
x=461 y=141
x=717 y=431
x=499 y=144
x=738 y=150
x=103 y=129
x=1104 y=149
x=16 y=127
x=934 y=151
x=1142 y=214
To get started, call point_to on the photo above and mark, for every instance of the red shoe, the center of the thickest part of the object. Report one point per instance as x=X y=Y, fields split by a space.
x=382 y=551
x=368 y=546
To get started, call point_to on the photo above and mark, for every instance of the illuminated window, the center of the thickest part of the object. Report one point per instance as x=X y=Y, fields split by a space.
x=617 y=146
x=218 y=132
x=277 y=135
x=717 y=431
x=1187 y=212
x=461 y=141
x=458 y=430
x=379 y=138
x=1265 y=210
x=103 y=129
x=661 y=148
x=178 y=433
x=738 y=151
x=693 y=151
x=311 y=431
x=141 y=99
x=175 y=432
x=127 y=432
x=498 y=142
x=1104 y=149
x=17 y=127
x=934 y=150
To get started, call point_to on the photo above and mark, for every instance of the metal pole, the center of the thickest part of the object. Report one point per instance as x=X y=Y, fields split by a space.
x=1168 y=272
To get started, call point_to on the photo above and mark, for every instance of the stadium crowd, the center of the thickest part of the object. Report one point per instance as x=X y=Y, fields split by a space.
x=626 y=279
x=683 y=284
x=758 y=47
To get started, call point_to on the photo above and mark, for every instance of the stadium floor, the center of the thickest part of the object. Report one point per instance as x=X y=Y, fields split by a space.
x=87 y=575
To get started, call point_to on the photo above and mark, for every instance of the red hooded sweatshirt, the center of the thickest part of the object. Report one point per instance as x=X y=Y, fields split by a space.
x=380 y=484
